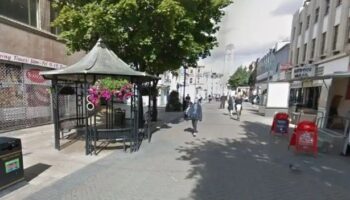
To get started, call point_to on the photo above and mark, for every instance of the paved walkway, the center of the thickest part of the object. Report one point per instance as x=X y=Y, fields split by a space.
x=227 y=160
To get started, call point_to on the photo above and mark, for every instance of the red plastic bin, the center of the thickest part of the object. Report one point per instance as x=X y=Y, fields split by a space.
x=304 y=138
x=280 y=123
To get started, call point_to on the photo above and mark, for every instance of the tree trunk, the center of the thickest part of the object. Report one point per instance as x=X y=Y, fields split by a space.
x=154 y=100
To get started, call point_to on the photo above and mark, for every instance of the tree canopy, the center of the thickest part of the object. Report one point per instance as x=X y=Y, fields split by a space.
x=239 y=78
x=152 y=35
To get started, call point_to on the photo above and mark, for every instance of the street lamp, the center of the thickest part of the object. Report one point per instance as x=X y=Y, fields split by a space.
x=183 y=96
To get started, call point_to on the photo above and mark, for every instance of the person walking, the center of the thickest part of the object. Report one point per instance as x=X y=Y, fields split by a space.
x=195 y=114
x=222 y=102
x=230 y=105
x=239 y=100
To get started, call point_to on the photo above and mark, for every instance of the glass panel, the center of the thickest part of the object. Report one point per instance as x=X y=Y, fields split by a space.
x=21 y=10
x=33 y=12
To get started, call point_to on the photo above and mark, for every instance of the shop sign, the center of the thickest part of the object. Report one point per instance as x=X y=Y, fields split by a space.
x=31 y=61
x=302 y=72
x=285 y=67
x=34 y=76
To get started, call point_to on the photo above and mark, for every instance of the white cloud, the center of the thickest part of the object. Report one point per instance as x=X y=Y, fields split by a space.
x=253 y=27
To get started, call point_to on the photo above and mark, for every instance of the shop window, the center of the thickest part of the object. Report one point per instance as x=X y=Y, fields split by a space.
x=348 y=91
x=24 y=11
x=349 y=30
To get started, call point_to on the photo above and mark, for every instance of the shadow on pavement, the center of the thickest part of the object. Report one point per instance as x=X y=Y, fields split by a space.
x=29 y=174
x=189 y=130
x=256 y=166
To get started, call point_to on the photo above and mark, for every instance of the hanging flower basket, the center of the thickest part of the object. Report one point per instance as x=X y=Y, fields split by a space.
x=105 y=89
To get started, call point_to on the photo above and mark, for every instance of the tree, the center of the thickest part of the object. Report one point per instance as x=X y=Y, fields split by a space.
x=239 y=78
x=252 y=78
x=153 y=35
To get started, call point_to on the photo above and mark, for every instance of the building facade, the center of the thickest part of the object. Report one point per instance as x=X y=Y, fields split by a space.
x=195 y=82
x=271 y=67
x=320 y=46
x=28 y=45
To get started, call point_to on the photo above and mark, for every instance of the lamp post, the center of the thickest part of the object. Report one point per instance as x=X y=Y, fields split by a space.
x=183 y=96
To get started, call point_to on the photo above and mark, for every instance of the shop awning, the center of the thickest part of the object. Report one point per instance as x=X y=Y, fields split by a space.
x=326 y=76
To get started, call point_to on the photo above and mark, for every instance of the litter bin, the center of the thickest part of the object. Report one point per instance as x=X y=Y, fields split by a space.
x=280 y=124
x=11 y=161
x=119 y=117
x=305 y=137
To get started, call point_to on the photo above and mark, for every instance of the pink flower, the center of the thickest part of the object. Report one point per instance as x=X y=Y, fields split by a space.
x=106 y=95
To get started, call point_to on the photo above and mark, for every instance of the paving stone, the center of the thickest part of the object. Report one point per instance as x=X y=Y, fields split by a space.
x=228 y=160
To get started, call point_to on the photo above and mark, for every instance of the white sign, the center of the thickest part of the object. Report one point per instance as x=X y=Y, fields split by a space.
x=31 y=61
x=278 y=95
x=301 y=72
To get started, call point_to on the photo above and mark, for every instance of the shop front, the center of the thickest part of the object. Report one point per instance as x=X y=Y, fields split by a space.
x=25 y=98
x=304 y=94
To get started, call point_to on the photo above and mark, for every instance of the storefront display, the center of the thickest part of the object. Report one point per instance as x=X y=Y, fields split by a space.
x=24 y=97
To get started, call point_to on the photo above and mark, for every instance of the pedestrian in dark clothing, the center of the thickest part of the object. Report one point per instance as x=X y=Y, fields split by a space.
x=230 y=105
x=195 y=114
x=188 y=98
x=222 y=102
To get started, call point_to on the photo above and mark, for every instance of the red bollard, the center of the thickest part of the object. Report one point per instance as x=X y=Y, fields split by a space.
x=304 y=138
x=280 y=124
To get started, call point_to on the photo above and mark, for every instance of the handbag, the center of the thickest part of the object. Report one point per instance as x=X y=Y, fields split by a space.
x=186 y=113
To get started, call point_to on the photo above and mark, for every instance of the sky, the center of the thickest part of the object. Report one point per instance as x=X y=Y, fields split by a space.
x=253 y=27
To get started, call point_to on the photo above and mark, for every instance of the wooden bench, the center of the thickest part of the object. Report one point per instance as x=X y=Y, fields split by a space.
x=116 y=134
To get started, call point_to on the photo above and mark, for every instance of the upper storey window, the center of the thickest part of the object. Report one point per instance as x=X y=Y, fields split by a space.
x=20 y=10
x=317 y=14
x=339 y=2
x=327 y=7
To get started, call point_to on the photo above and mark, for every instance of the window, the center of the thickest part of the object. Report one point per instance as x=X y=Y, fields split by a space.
x=293 y=33
x=335 y=37
x=300 y=27
x=297 y=56
x=317 y=14
x=191 y=80
x=327 y=7
x=323 y=46
x=308 y=22
x=305 y=50
x=20 y=10
x=313 y=48
x=349 y=30
x=339 y=2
